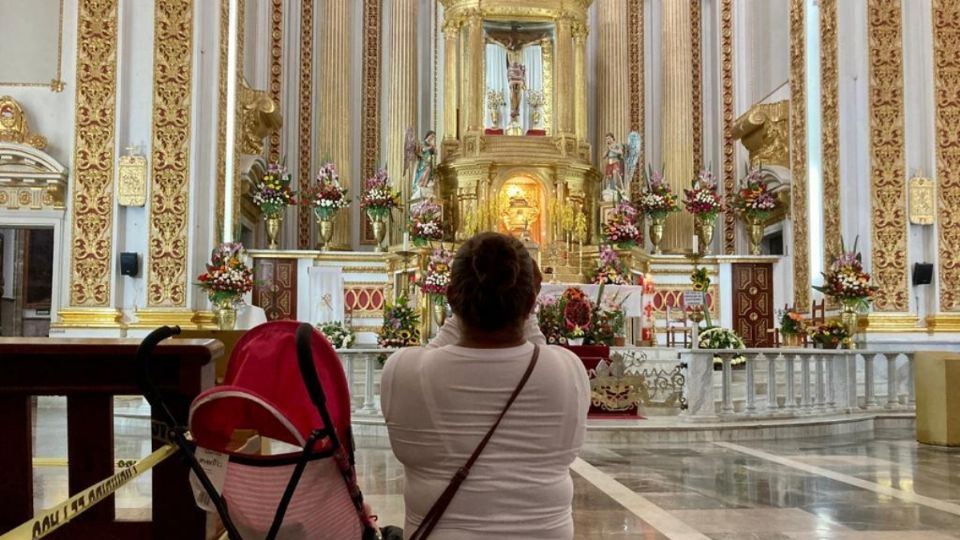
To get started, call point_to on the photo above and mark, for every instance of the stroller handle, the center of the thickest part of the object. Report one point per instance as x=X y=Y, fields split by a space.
x=144 y=381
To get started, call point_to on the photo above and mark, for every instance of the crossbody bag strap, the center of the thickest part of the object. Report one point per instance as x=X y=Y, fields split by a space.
x=440 y=506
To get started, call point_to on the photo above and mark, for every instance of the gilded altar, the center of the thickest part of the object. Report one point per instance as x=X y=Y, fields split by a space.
x=508 y=179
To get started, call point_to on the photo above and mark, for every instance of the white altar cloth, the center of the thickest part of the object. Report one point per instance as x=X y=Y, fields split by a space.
x=326 y=294
x=630 y=295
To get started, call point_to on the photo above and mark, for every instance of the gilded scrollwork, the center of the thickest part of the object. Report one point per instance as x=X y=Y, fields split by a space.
x=887 y=164
x=726 y=78
x=260 y=118
x=697 y=80
x=370 y=106
x=946 y=47
x=170 y=178
x=306 y=118
x=830 y=120
x=798 y=155
x=764 y=131
x=93 y=161
x=14 y=126
x=276 y=69
x=635 y=51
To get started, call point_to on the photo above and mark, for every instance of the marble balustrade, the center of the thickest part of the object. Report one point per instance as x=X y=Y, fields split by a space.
x=796 y=382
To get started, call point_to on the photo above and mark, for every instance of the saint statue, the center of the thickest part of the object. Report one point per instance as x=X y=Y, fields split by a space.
x=424 y=155
x=620 y=166
x=517 y=79
x=514 y=40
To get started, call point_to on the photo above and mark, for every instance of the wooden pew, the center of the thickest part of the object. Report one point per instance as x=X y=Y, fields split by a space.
x=90 y=372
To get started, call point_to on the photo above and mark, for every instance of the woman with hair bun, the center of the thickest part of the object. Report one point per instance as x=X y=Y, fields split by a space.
x=441 y=402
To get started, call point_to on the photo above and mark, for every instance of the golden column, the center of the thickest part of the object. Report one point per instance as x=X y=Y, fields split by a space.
x=580 y=80
x=677 y=116
x=402 y=108
x=564 y=69
x=473 y=79
x=613 y=72
x=336 y=94
x=451 y=75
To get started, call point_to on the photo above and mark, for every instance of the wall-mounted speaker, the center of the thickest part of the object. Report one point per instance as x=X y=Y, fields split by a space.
x=130 y=264
x=922 y=274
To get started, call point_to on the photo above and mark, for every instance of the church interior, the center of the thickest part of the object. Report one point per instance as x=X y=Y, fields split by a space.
x=742 y=211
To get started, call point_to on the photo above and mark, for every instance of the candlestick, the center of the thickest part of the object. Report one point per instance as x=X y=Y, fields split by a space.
x=696 y=244
x=406 y=241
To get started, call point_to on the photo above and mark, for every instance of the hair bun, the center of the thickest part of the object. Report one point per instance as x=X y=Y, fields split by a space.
x=495 y=261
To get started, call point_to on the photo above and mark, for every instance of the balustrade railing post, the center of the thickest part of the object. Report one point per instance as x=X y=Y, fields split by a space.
x=831 y=362
x=821 y=390
x=853 y=395
x=805 y=401
x=893 y=391
x=727 y=388
x=772 y=404
x=911 y=391
x=369 y=404
x=869 y=399
x=751 y=407
x=790 y=400
x=351 y=384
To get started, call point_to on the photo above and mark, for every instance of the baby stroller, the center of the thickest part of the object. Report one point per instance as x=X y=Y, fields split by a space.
x=284 y=382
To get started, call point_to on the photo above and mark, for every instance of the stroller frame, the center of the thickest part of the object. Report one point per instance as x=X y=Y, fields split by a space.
x=179 y=435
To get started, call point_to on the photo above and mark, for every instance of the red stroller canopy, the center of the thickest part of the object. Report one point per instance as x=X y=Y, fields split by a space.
x=264 y=391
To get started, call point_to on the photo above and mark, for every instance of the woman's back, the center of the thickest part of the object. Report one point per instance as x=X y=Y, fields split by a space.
x=439 y=403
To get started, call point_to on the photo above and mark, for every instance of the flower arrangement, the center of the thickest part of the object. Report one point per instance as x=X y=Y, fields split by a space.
x=846 y=280
x=339 y=336
x=227 y=277
x=378 y=198
x=754 y=199
x=703 y=200
x=657 y=200
x=621 y=228
x=437 y=277
x=791 y=322
x=425 y=224
x=570 y=317
x=272 y=193
x=700 y=279
x=400 y=325
x=610 y=269
x=830 y=335
x=722 y=338
x=325 y=195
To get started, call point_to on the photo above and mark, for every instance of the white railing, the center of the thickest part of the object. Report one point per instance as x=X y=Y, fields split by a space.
x=362 y=368
x=795 y=382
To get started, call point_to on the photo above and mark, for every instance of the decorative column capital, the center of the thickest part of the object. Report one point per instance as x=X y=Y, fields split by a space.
x=580 y=32
x=451 y=27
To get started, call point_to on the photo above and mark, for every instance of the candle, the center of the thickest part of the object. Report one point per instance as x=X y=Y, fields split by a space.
x=696 y=244
x=406 y=241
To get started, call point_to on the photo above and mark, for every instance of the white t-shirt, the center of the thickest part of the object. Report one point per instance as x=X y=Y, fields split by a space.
x=449 y=333
x=438 y=404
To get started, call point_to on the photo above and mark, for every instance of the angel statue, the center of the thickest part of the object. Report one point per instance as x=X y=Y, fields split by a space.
x=424 y=154
x=620 y=166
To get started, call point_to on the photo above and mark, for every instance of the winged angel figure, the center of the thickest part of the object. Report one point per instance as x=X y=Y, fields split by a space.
x=620 y=166
x=424 y=155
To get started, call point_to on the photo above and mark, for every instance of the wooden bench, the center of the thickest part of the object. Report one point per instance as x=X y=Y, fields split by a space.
x=90 y=372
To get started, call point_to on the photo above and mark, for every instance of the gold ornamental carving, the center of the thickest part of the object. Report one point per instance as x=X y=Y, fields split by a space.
x=260 y=117
x=798 y=155
x=888 y=248
x=93 y=162
x=697 y=79
x=14 y=127
x=370 y=104
x=132 y=179
x=170 y=178
x=276 y=70
x=635 y=53
x=922 y=201
x=305 y=125
x=946 y=51
x=830 y=127
x=729 y=144
x=764 y=131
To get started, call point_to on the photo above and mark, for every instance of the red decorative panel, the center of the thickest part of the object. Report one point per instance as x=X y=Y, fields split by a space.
x=363 y=299
x=275 y=289
x=673 y=299
x=753 y=303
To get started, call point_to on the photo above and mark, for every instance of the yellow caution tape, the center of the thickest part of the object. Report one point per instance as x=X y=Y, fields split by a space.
x=50 y=520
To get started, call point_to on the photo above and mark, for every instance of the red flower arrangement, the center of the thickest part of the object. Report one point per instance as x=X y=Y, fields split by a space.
x=703 y=199
x=621 y=228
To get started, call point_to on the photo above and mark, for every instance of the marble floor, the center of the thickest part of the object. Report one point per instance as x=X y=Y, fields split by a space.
x=877 y=486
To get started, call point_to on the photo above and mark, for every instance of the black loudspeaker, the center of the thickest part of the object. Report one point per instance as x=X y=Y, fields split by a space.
x=922 y=274
x=129 y=264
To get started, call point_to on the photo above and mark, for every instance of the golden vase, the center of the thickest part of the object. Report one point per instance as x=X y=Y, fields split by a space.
x=326 y=232
x=850 y=319
x=273 y=230
x=226 y=314
x=705 y=226
x=656 y=232
x=792 y=340
x=755 y=232
x=439 y=312
x=379 y=233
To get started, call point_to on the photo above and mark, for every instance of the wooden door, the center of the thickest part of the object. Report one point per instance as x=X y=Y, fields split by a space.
x=753 y=303
x=275 y=289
